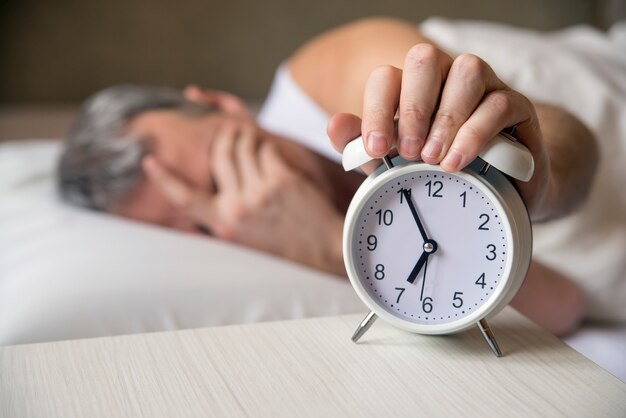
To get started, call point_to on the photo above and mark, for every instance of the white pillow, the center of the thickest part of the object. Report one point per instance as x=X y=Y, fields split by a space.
x=71 y=273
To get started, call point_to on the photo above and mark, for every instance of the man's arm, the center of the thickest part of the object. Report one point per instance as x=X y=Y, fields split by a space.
x=550 y=299
x=573 y=154
x=334 y=69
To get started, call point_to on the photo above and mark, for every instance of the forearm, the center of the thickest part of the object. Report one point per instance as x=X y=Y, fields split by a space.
x=573 y=158
x=550 y=299
x=333 y=68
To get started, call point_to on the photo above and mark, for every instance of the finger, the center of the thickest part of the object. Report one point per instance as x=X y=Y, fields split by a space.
x=380 y=101
x=247 y=162
x=223 y=160
x=195 y=93
x=425 y=68
x=272 y=164
x=498 y=110
x=468 y=81
x=221 y=100
x=343 y=128
x=196 y=204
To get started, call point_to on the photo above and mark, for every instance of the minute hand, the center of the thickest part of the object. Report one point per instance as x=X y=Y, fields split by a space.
x=409 y=202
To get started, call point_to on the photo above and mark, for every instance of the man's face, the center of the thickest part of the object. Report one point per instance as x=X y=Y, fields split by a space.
x=183 y=144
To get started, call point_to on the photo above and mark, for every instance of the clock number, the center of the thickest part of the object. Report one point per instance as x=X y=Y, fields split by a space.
x=482 y=226
x=380 y=272
x=458 y=302
x=481 y=281
x=401 y=289
x=464 y=196
x=372 y=242
x=434 y=188
x=401 y=191
x=385 y=217
x=427 y=305
x=492 y=252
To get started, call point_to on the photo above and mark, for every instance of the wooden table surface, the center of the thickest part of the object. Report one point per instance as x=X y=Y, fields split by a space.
x=307 y=368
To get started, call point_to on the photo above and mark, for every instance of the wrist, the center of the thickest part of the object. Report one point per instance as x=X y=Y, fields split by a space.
x=331 y=258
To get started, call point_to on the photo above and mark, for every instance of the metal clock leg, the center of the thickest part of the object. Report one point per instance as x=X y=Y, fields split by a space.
x=364 y=326
x=488 y=334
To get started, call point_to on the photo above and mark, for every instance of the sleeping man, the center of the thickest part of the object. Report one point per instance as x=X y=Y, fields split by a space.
x=197 y=161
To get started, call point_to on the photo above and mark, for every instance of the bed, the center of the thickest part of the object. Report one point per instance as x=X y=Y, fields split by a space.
x=67 y=273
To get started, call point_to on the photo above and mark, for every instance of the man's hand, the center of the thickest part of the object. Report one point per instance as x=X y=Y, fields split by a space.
x=260 y=201
x=221 y=100
x=447 y=110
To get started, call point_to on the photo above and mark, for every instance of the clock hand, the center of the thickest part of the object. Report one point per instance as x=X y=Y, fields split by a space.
x=418 y=267
x=409 y=202
x=430 y=246
x=424 y=279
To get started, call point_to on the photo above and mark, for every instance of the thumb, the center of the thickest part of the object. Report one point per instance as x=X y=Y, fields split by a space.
x=343 y=128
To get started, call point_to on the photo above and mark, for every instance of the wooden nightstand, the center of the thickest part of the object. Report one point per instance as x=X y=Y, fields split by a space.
x=307 y=368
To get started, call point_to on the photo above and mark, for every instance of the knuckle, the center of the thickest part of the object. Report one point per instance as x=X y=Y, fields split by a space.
x=446 y=119
x=414 y=112
x=502 y=103
x=422 y=54
x=383 y=72
x=377 y=117
x=472 y=140
x=470 y=65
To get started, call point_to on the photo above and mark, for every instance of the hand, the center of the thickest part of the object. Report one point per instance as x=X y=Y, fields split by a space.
x=260 y=201
x=448 y=109
x=224 y=101
x=407 y=198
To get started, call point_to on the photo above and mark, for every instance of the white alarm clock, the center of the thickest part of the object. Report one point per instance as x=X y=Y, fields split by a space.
x=433 y=252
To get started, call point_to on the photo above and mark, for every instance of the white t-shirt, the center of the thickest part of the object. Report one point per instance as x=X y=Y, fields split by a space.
x=580 y=69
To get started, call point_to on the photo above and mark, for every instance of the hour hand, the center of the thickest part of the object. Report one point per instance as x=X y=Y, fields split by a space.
x=418 y=267
x=409 y=202
x=430 y=246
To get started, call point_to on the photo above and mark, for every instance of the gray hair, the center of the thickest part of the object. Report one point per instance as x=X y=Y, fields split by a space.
x=101 y=163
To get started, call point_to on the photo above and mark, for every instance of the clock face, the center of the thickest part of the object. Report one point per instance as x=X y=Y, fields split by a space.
x=430 y=247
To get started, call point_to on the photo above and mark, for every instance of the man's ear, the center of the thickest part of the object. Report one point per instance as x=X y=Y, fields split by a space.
x=226 y=102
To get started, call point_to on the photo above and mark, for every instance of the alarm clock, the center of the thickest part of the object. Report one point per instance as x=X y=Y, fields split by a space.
x=433 y=252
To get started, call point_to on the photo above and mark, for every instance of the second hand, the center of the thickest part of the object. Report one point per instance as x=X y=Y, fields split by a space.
x=424 y=280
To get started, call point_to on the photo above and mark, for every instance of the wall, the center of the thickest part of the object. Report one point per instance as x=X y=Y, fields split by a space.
x=61 y=51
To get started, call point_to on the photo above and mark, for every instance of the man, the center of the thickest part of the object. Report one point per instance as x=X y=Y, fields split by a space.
x=201 y=163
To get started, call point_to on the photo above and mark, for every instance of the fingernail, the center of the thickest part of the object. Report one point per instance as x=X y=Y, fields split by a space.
x=409 y=147
x=376 y=143
x=432 y=149
x=452 y=160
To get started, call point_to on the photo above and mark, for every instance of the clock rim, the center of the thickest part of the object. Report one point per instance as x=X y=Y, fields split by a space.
x=516 y=223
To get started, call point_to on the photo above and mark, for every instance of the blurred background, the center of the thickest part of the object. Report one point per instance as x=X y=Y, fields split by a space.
x=55 y=53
